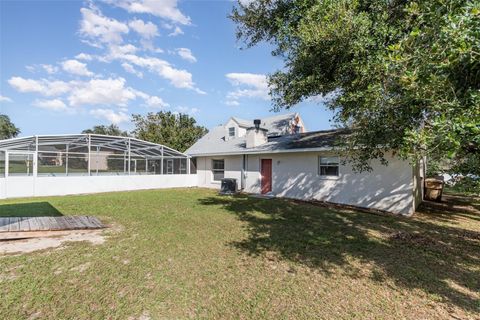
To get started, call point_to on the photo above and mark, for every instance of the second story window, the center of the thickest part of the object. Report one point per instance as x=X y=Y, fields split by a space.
x=231 y=132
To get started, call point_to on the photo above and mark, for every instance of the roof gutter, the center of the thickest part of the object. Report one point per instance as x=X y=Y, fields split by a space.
x=234 y=153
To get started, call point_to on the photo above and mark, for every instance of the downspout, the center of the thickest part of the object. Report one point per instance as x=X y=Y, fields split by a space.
x=242 y=176
x=243 y=180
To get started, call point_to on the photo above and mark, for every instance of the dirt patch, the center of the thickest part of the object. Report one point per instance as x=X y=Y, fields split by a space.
x=95 y=237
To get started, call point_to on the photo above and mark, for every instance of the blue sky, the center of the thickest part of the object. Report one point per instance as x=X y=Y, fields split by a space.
x=68 y=65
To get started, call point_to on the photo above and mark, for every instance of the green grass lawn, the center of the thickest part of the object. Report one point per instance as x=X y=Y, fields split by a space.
x=188 y=253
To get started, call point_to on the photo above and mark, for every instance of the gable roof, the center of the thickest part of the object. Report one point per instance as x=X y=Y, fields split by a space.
x=214 y=143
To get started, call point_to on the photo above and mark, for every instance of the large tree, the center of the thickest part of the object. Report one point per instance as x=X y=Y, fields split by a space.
x=111 y=130
x=404 y=75
x=177 y=131
x=7 y=128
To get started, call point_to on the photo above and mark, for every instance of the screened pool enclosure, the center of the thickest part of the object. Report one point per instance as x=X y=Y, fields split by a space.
x=88 y=155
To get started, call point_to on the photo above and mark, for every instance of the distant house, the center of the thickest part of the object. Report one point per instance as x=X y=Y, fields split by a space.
x=277 y=156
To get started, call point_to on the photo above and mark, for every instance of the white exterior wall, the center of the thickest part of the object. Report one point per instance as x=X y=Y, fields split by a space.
x=233 y=167
x=13 y=187
x=295 y=175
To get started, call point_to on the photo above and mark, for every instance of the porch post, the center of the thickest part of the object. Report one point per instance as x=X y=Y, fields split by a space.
x=35 y=158
x=89 y=157
x=66 y=160
x=129 y=153
x=96 y=160
x=161 y=163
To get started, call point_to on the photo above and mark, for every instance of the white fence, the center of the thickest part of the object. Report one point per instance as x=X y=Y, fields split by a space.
x=32 y=186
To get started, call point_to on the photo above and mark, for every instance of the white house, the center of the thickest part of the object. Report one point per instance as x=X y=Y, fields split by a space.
x=278 y=157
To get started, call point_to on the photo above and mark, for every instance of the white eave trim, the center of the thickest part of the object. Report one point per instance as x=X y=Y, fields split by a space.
x=234 y=153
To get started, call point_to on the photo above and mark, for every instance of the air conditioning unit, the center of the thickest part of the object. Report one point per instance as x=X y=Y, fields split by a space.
x=228 y=186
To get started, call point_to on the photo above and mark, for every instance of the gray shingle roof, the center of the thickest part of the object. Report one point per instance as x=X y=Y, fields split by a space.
x=214 y=143
x=275 y=124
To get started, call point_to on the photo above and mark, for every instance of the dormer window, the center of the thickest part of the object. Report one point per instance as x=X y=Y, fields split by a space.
x=231 y=132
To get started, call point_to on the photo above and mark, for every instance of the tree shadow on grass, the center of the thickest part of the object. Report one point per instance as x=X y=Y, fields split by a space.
x=29 y=209
x=414 y=253
x=452 y=207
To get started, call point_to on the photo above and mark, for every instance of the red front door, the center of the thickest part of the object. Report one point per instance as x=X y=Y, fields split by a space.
x=266 y=172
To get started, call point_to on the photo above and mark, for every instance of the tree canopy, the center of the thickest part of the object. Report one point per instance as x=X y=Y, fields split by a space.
x=177 y=131
x=404 y=75
x=7 y=128
x=111 y=130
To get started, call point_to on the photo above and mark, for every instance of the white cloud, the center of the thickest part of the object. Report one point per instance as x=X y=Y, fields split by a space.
x=233 y=103
x=101 y=92
x=119 y=51
x=187 y=110
x=186 y=54
x=156 y=102
x=100 y=29
x=49 y=68
x=30 y=68
x=166 y=9
x=250 y=85
x=5 y=99
x=54 y=104
x=110 y=115
x=130 y=69
x=26 y=85
x=177 y=31
x=84 y=56
x=108 y=92
x=178 y=78
x=43 y=86
x=145 y=30
x=76 y=67
x=108 y=33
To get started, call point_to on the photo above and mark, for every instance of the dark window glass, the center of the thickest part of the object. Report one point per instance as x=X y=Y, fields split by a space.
x=328 y=171
x=218 y=169
x=231 y=132
x=218 y=165
x=328 y=166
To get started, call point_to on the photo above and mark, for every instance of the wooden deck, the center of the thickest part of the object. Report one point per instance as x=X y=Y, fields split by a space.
x=30 y=224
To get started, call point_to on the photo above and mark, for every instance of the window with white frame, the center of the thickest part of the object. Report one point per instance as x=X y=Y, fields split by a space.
x=328 y=166
x=218 y=169
x=231 y=132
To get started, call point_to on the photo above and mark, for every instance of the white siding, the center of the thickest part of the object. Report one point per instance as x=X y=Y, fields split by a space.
x=295 y=175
